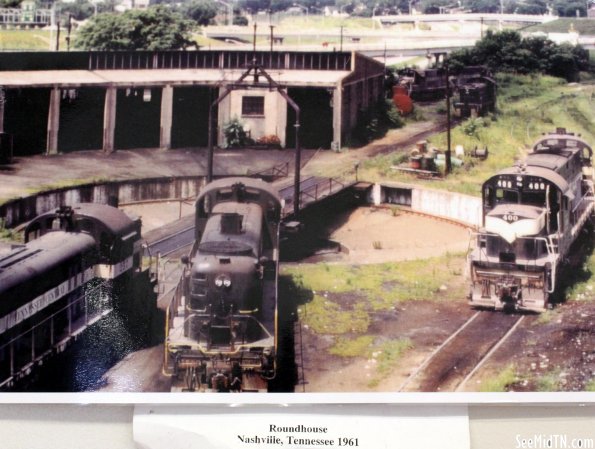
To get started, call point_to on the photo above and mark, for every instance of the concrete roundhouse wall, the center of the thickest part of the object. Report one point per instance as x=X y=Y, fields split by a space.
x=21 y=210
x=451 y=205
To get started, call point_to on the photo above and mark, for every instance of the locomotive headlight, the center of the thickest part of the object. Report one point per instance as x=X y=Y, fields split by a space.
x=223 y=280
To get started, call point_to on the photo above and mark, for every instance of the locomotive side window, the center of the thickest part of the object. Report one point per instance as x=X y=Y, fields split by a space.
x=534 y=198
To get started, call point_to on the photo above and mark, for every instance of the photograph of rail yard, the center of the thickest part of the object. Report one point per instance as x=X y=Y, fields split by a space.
x=306 y=197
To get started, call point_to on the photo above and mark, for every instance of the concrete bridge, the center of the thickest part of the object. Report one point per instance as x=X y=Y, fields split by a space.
x=471 y=17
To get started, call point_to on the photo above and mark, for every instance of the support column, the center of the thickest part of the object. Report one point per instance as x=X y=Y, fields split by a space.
x=167 y=99
x=109 y=119
x=53 y=121
x=2 y=102
x=337 y=116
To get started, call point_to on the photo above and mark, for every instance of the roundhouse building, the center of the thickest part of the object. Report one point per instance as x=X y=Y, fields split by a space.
x=65 y=101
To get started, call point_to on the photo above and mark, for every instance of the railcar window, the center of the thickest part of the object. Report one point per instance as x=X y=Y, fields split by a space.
x=505 y=196
x=534 y=198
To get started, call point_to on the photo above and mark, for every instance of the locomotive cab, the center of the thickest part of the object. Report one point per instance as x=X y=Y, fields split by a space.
x=225 y=309
x=531 y=215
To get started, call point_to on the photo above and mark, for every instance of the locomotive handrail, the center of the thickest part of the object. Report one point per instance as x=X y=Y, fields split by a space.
x=277 y=171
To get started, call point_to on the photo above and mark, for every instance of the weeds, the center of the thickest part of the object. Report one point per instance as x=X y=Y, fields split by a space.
x=325 y=316
x=381 y=286
x=527 y=107
x=501 y=382
x=549 y=382
x=352 y=347
x=7 y=234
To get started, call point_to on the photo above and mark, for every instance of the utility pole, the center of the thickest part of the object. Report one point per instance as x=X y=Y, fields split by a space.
x=448 y=169
x=341 y=39
x=58 y=35
x=272 y=27
x=68 y=29
x=254 y=39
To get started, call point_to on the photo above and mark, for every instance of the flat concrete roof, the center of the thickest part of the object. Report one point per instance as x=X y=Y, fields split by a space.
x=161 y=77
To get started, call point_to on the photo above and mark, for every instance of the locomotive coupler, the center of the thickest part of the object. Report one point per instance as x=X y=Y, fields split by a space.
x=510 y=295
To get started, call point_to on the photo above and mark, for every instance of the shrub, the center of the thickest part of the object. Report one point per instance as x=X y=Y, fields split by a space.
x=240 y=21
x=376 y=121
x=234 y=133
x=270 y=140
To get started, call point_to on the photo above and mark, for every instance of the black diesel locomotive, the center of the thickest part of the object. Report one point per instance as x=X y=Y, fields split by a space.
x=532 y=213
x=59 y=282
x=222 y=322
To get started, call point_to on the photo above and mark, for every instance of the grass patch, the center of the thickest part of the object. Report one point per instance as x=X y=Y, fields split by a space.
x=381 y=286
x=585 y=290
x=352 y=347
x=389 y=353
x=9 y=235
x=501 y=382
x=583 y=25
x=386 y=357
x=548 y=382
x=545 y=317
x=39 y=40
x=590 y=385
x=325 y=316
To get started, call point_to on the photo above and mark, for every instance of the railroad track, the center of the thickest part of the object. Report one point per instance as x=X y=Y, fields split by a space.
x=173 y=242
x=453 y=363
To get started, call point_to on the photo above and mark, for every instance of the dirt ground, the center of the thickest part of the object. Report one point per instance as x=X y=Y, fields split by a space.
x=426 y=324
x=554 y=351
x=375 y=235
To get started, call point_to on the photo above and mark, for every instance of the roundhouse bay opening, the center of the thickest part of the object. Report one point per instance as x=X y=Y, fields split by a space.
x=26 y=118
x=81 y=119
x=139 y=115
x=191 y=116
x=316 y=118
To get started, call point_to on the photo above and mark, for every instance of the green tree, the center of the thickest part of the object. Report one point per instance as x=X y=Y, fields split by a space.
x=201 y=11
x=156 y=28
x=486 y=6
x=433 y=6
x=79 y=9
x=531 y=7
x=566 y=8
x=506 y=51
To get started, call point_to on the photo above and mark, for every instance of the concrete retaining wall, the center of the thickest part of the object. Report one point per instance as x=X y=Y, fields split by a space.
x=21 y=210
x=451 y=205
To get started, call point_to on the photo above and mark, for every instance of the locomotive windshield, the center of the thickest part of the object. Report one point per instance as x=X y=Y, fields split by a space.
x=521 y=195
x=228 y=247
